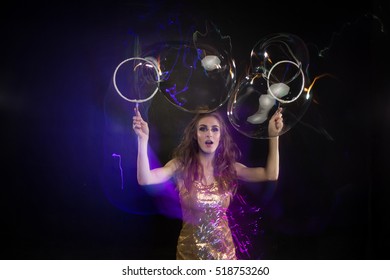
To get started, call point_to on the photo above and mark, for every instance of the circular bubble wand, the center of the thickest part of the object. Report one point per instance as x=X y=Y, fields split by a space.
x=281 y=89
x=148 y=62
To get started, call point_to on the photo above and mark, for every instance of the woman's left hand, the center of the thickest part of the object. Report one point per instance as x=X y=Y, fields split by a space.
x=275 y=123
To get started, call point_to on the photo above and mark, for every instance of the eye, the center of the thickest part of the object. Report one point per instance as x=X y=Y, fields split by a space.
x=203 y=128
x=215 y=129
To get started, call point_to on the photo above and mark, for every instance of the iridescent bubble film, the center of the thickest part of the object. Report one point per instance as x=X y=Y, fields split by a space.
x=276 y=78
x=197 y=76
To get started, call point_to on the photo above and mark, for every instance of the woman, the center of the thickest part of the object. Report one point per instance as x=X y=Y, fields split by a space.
x=206 y=171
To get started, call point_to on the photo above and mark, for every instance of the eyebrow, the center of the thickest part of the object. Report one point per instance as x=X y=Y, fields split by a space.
x=214 y=125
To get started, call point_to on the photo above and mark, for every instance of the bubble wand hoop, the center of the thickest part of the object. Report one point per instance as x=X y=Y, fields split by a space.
x=140 y=78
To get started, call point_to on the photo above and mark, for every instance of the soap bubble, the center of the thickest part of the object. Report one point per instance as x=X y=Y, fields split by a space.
x=197 y=76
x=276 y=78
x=275 y=48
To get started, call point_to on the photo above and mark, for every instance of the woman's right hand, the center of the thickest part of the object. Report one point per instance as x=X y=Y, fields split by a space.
x=140 y=127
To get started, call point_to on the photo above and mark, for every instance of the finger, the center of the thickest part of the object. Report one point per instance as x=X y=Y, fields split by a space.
x=136 y=126
x=277 y=113
x=279 y=117
x=136 y=122
x=137 y=119
x=279 y=125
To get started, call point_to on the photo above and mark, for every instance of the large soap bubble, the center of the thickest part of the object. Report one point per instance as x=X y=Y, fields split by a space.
x=197 y=76
x=277 y=78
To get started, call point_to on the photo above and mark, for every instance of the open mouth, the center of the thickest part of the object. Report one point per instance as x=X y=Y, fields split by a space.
x=209 y=142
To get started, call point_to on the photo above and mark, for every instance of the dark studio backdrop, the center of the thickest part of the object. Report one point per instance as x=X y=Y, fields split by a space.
x=62 y=196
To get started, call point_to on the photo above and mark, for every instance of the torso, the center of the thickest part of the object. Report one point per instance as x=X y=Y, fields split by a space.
x=205 y=233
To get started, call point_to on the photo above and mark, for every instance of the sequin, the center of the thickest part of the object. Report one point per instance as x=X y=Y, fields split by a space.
x=205 y=234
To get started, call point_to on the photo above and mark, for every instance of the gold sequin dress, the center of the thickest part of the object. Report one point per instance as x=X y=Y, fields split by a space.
x=205 y=234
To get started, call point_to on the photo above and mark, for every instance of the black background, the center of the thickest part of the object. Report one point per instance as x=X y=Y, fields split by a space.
x=57 y=137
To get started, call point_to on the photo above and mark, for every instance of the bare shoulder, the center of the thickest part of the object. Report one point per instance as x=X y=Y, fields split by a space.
x=239 y=168
x=239 y=165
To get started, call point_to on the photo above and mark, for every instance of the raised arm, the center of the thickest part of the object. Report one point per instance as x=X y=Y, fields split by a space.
x=145 y=175
x=271 y=170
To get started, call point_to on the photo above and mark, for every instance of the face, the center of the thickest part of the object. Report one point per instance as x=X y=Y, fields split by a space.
x=208 y=134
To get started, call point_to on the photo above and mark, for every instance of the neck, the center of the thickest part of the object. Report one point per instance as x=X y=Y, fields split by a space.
x=206 y=160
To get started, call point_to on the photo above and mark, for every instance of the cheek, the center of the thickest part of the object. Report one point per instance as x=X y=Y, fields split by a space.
x=199 y=138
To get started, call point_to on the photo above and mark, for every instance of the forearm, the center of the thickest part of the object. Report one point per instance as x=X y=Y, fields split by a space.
x=143 y=166
x=272 y=165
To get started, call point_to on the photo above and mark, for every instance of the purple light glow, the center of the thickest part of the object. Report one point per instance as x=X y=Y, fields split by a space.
x=244 y=220
x=120 y=166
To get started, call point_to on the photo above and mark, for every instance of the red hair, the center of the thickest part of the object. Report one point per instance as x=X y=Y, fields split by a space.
x=226 y=155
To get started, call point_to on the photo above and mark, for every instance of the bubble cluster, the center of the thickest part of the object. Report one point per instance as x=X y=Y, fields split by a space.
x=199 y=76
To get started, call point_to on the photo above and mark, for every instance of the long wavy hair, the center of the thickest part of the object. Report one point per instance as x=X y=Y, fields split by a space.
x=226 y=154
